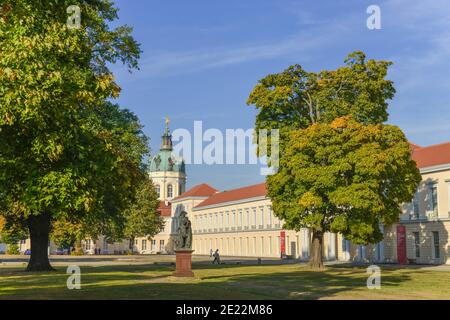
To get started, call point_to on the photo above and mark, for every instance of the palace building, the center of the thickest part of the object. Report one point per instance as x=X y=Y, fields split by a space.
x=423 y=232
x=240 y=222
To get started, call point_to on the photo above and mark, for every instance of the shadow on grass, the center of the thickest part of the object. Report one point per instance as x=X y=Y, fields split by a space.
x=211 y=282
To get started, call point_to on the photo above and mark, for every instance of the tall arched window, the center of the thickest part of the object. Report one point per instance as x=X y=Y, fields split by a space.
x=158 y=190
x=169 y=191
x=180 y=189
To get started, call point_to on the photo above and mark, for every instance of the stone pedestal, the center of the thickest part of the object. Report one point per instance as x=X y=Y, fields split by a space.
x=183 y=263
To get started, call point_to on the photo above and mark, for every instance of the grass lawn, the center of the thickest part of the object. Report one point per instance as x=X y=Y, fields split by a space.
x=225 y=282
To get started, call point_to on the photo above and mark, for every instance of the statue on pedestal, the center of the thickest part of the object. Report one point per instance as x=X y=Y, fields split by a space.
x=184 y=237
x=183 y=247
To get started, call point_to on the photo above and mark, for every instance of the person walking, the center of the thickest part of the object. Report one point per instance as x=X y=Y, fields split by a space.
x=211 y=252
x=216 y=257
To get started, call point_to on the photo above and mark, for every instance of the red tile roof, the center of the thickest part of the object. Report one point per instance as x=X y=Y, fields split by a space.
x=200 y=190
x=434 y=155
x=258 y=190
x=164 y=210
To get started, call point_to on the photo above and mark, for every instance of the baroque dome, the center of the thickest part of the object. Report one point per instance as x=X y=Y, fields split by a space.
x=165 y=159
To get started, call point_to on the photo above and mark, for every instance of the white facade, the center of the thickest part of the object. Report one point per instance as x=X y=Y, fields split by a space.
x=168 y=184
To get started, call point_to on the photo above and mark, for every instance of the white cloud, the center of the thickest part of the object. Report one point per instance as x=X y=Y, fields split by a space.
x=173 y=63
x=427 y=25
x=299 y=43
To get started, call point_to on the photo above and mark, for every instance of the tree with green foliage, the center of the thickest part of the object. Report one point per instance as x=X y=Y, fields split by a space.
x=126 y=130
x=61 y=155
x=343 y=177
x=341 y=169
x=143 y=218
x=67 y=234
x=295 y=99
x=11 y=233
x=140 y=219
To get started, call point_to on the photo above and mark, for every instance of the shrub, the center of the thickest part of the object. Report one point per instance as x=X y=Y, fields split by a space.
x=13 y=249
x=77 y=252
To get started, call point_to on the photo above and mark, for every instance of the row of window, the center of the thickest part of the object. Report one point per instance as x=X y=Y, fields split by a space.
x=435 y=245
x=169 y=190
x=246 y=246
x=297 y=246
x=431 y=201
x=152 y=244
x=88 y=244
x=243 y=219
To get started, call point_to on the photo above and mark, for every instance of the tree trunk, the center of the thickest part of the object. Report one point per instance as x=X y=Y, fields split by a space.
x=315 y=261
x=39 y=227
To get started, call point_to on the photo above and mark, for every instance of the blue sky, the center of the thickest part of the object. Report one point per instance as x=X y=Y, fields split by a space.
x=202 y=58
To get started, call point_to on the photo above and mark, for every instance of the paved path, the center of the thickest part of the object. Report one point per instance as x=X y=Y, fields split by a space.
x=101 y=260
x=97 y=260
